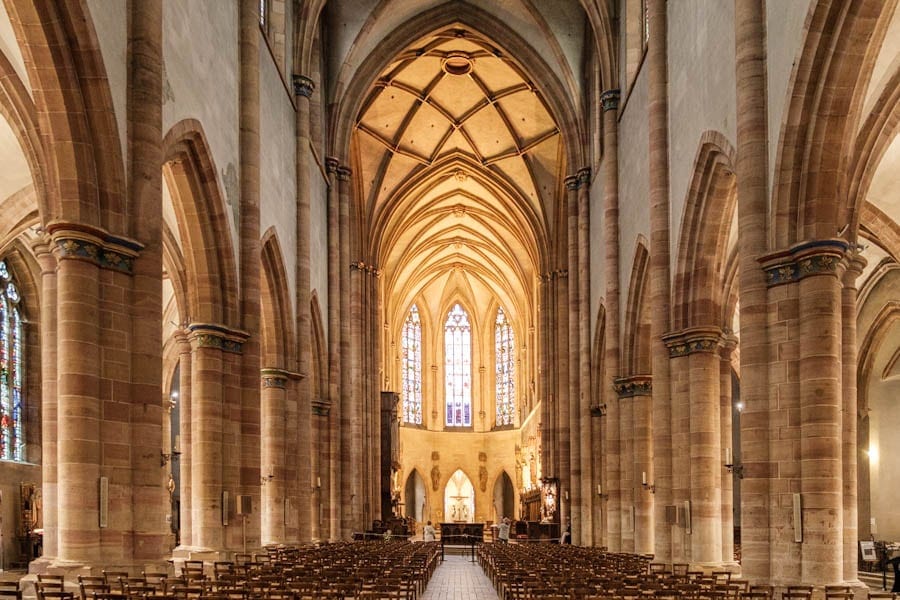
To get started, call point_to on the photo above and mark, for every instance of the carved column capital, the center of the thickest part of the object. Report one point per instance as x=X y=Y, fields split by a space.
x=303 y=86
x=609 y=100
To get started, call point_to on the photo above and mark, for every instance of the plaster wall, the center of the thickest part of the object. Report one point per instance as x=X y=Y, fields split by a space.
x=201 y=71
x=785 y=35
x=278 y=172
x=458 y=450
x=111 y=25
x=702 y=91
x=634 y=185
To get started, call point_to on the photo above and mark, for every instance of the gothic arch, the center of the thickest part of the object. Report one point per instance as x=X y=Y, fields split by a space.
x=190 y=175
x=636 y=349
x=66 y=70
x=820 y=119
x=351 y=93
x=18 y=109
x=703 y=245
x=277 y=324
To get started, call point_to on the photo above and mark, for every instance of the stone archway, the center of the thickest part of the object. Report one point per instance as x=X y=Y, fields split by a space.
x=459 y=498
x=504 y=498
x=415 y=497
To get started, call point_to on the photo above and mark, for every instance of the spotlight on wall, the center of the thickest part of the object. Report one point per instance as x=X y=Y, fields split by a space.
x=737 y=470
x=647 y=486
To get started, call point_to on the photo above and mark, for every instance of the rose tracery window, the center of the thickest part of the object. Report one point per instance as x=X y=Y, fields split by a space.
x=504 y=369
x=411 y=367
x=458 y=367
x=12 y=433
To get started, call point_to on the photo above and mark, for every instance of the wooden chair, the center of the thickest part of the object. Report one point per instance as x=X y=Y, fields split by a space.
x=9 y=590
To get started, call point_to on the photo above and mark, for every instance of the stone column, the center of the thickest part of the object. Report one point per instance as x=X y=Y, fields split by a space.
x=563 y=424
x=350 y=489
x=575 y=473
x=545 y=389
x=208 y=458
x=148 y=494
x=303 y=90
x=681 y=447
x=850 y=445
x=586 y=496
x=752 y=193
x=726 y=410
x=634 y=394
x=612 y=485
x=333 y=489
x=184 y=443
x=274 y=439
x=49 y=413
x=821 y=403
x=78 y=392
x=660 y=275
x=250 y=265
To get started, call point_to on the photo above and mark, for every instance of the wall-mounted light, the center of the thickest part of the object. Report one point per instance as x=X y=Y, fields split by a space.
x=737 y=470
x=647 y=486
x=600 y=492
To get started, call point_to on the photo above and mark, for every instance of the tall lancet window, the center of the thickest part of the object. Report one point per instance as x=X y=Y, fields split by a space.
x=12 y=431
x=504 y=369
x=458 y=368
x=411 y=367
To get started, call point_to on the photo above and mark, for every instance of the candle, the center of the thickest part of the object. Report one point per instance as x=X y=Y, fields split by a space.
x=599 y=490
x=643 y=477
x=728 y=456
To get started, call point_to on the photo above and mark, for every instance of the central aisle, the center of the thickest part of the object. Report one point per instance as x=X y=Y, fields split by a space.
x=458 y=578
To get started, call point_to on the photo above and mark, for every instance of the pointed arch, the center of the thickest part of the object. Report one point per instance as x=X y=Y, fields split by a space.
x=65 y=67
x=703 y=245
x=277 y=323
x=190 y=174
x=818 y=125
x=636 y=349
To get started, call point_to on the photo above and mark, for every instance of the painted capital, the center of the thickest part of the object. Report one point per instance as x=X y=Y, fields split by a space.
x=320 y=407
x=584 y=176
x=343 y=173
x=635 y=385
x=79 y=242
x=205 y=335
x=692 y=340
x=303 y=86
x=274 y=378
x=331 y=165
x=609 y=100
x=807 y=259
x=855 y=266
x=572 y=183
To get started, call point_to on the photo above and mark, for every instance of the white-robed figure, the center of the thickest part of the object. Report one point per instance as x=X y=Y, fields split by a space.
x=428 y=532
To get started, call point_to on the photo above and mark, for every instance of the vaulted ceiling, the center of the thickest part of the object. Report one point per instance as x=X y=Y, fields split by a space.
x=459 y=162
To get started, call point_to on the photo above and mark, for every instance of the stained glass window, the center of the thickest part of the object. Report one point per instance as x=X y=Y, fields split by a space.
x=458 y=368
x=504 y=369
x=12 y=433
x=411 y=367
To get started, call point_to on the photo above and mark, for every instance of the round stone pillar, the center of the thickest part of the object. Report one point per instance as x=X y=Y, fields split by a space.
x=272 y=463
x=726 y=411
x=184 y=441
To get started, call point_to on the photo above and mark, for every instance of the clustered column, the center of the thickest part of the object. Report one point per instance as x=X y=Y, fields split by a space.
x=572 y=477
x=334 y=353
x=611 y=437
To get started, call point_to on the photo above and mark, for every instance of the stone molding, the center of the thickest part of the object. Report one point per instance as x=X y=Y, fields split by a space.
x=106 y=251
x=303 y=86
x=581 y=178
x=274 y=378
x=551 y=275
x=332 y=165
x=205 y=335
x=609 y=100
x=692 y=340
x=320 y=407
x=807 y=259
x=343 y=173
x=633 y=385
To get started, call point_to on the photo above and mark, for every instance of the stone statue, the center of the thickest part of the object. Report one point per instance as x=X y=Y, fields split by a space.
x=482 y=478
x=435 y=478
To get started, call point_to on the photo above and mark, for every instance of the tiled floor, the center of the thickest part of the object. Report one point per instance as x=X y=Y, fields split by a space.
x=458 y=578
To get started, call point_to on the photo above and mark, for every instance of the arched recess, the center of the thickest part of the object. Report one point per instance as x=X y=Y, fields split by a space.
x=65 y=67
x=277 y=322
x=17 y=108
x=415 y=497
x=636 y=347
x=817 y=128
x=190 y=175
x=504 y=498
x=704 y=243
x=459 y=498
